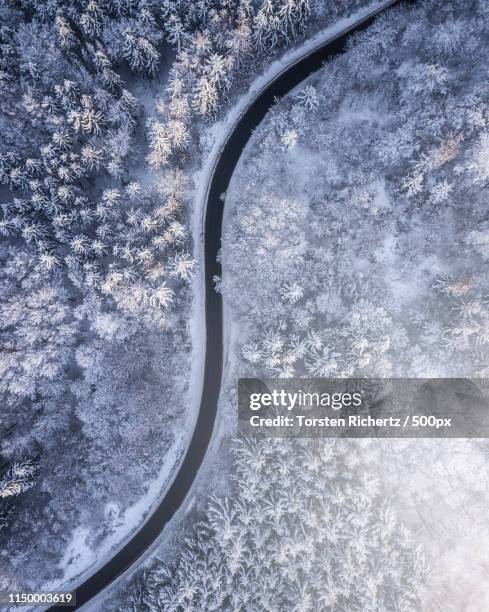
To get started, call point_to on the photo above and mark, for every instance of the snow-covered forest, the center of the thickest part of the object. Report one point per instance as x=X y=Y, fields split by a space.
x=106 y=109
x=280 y=543
x=364 y=200
x=355 y=244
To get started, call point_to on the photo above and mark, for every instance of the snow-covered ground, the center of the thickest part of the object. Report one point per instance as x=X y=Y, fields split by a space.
x=355 y=234
x=83 y=555
x=92 y=346
x=215 y=137
x=355 y=244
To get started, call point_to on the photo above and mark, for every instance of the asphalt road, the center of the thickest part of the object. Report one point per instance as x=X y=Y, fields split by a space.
x=224 y=167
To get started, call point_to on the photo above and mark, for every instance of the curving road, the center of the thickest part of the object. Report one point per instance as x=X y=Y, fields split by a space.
x=220 y=176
